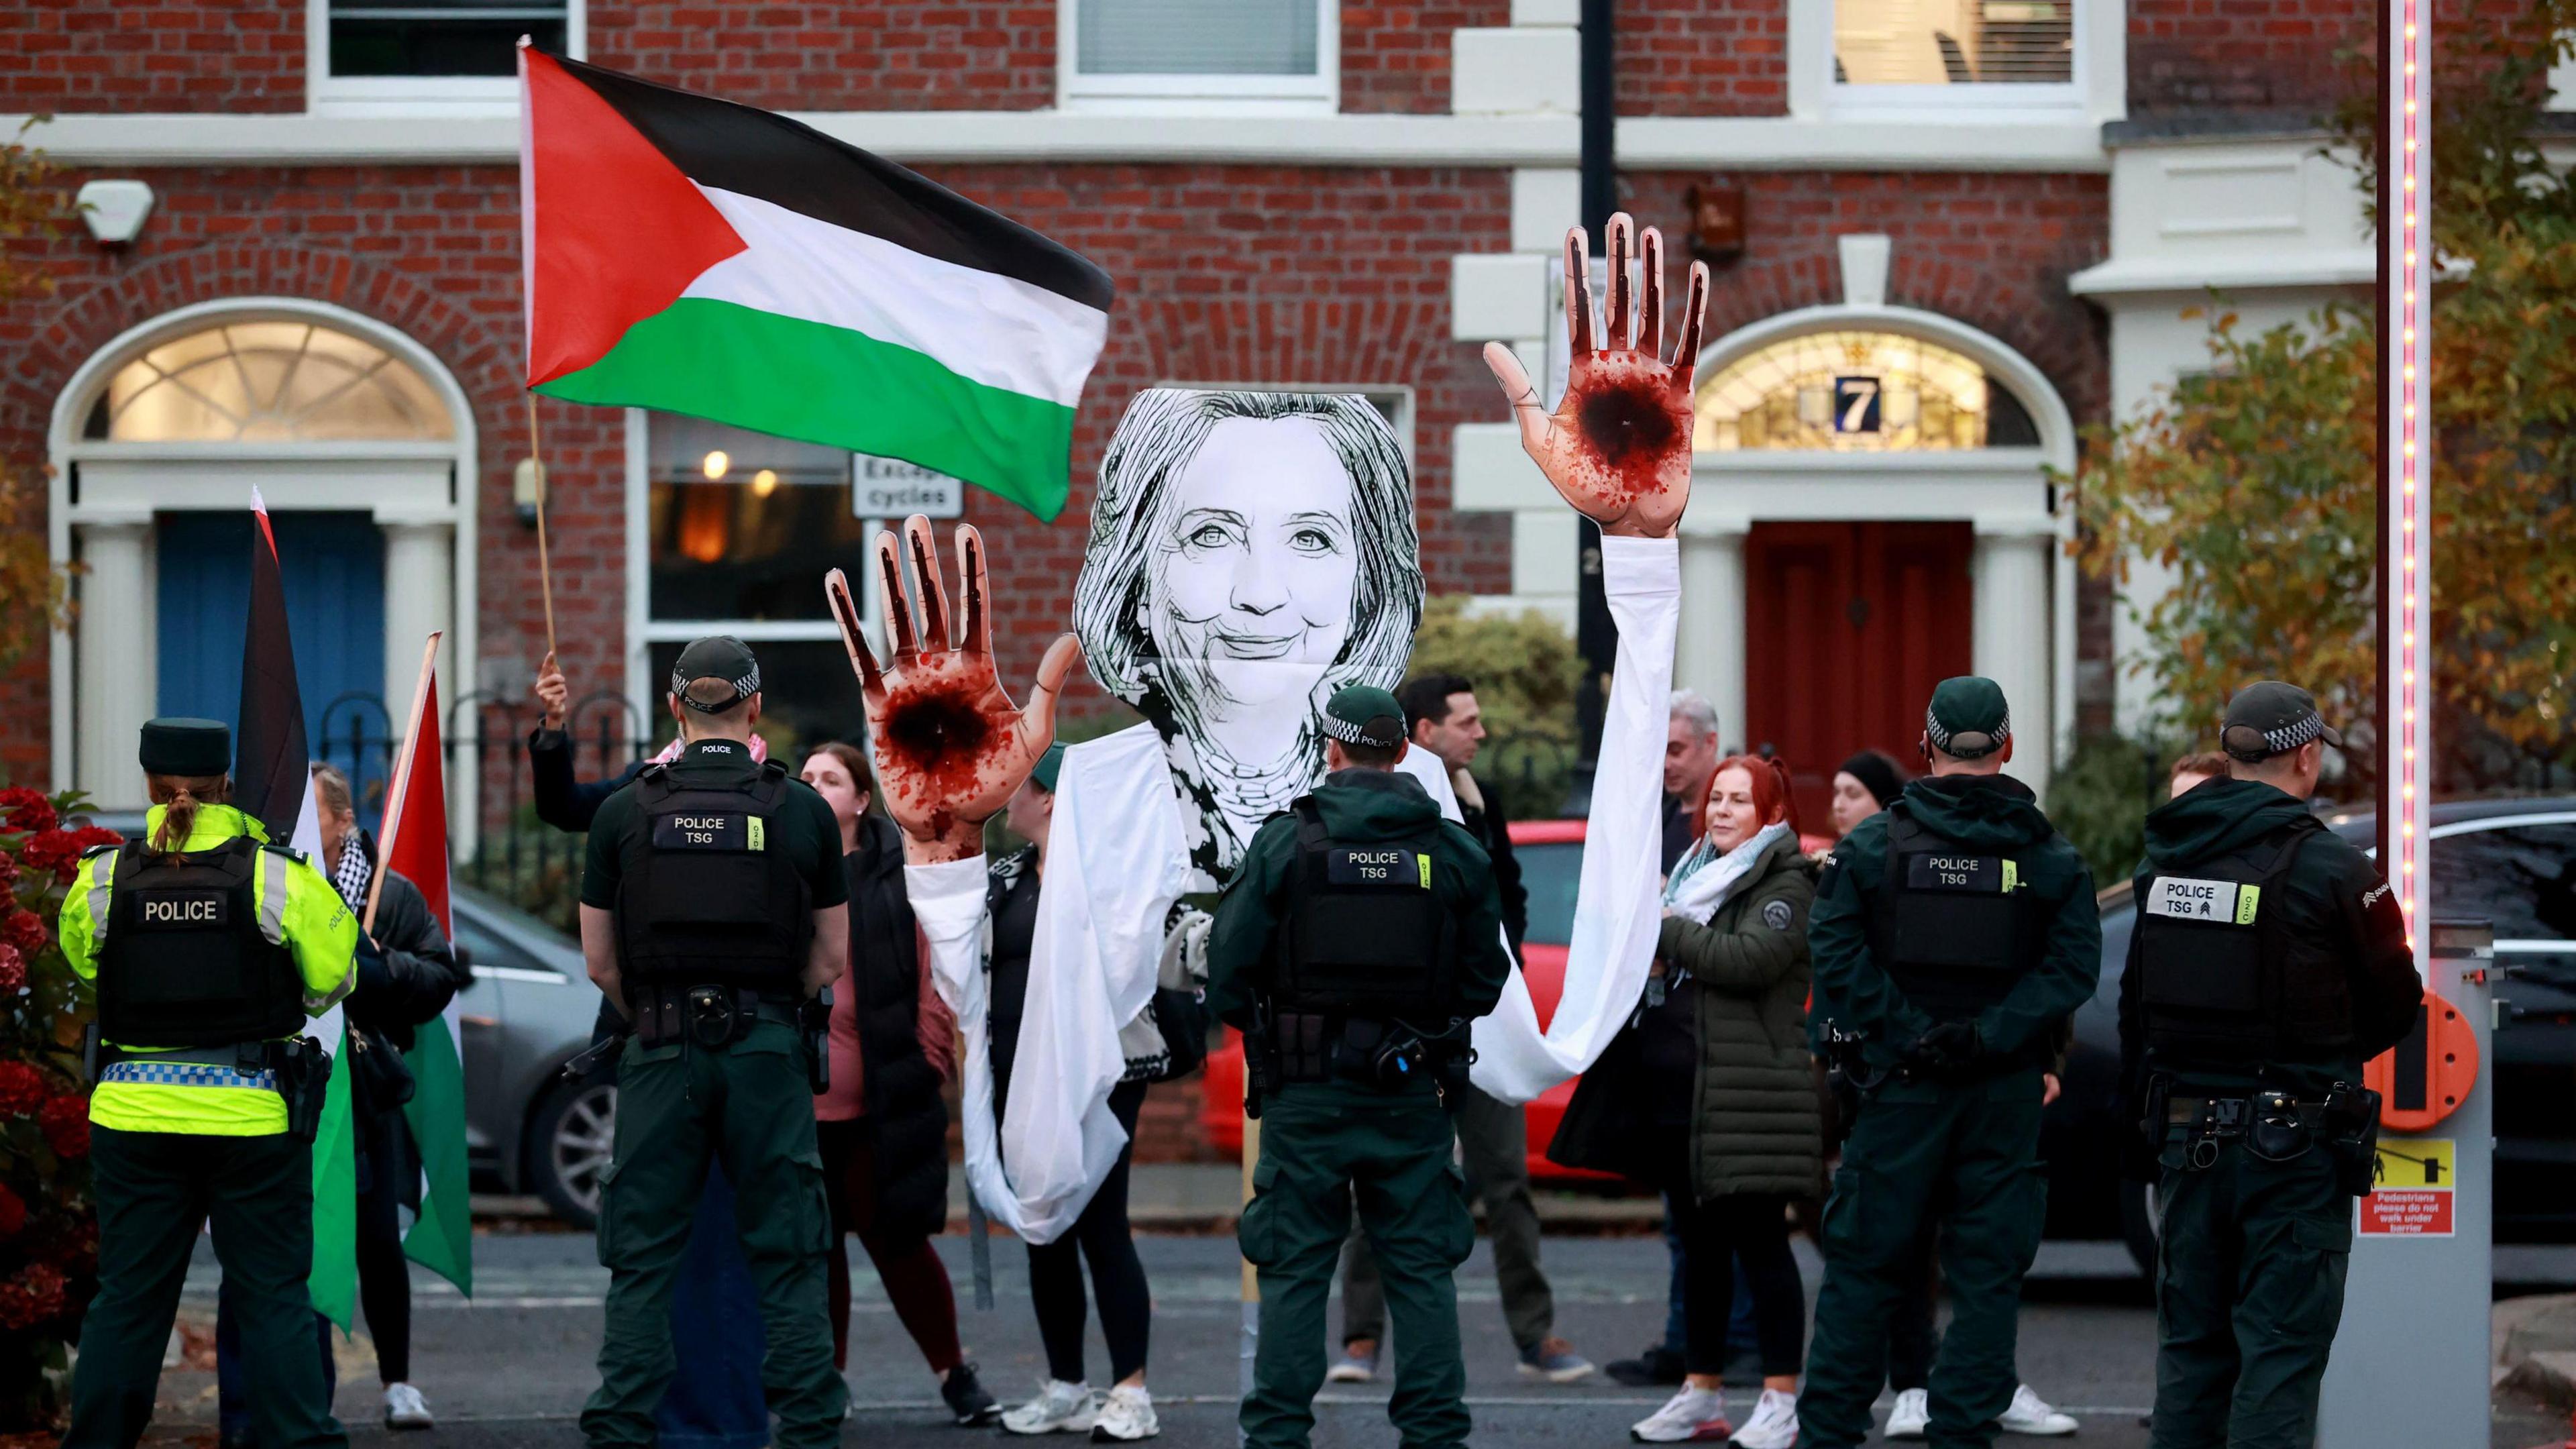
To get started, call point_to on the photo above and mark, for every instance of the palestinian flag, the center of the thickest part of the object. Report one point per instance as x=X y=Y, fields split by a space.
x=701 y=257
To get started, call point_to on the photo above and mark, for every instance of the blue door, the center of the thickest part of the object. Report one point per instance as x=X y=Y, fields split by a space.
x=333 y=565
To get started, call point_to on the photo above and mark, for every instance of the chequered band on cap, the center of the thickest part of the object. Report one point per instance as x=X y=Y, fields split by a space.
x=1344 y=730
x=1941 y=737
x=743 y=688
x=2279 y=740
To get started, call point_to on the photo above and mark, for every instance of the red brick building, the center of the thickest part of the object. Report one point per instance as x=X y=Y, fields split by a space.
x=1946 y=233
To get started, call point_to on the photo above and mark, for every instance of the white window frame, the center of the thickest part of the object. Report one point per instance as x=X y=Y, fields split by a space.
x=2096 y=92
x=1283 y=95
x=428 y=95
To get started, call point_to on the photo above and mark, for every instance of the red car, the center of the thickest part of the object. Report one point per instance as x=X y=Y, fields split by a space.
x=1551 y=857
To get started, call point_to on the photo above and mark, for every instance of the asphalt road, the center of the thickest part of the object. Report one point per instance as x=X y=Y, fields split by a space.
x=509 y=1370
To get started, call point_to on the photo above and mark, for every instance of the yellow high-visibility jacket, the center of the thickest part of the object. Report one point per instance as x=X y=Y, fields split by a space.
x=310 y=920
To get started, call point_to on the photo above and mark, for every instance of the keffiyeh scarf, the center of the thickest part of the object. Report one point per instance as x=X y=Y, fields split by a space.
x=352 y=871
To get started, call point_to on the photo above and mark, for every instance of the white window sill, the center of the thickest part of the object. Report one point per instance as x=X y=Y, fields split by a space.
x=410 y=97
x=1168 y=104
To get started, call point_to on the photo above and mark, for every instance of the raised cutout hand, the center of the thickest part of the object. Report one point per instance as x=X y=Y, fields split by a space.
x=950 y=745
x=1618 y=446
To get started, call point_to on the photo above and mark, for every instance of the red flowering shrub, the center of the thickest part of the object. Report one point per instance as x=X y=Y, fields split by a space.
x=37 y=1295
x=48 y=1226
x=65 y=1123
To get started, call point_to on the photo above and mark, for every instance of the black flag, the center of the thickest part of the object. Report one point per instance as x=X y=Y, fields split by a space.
x=270 y=759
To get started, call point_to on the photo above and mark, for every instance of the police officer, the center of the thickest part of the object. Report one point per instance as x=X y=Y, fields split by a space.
x=1951 y=934
x=1358 y=940
x=2270 y=961
x=210 y=947
x=712 y=912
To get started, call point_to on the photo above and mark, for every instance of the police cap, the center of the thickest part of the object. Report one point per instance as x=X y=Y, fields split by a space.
x=1049 y=765
x=2268 y=718
x=1363 y=714
x=196 y=747
x=1967 y=718
x=718 y=656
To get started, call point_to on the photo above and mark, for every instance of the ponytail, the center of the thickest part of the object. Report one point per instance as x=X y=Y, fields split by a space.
x=179 y=797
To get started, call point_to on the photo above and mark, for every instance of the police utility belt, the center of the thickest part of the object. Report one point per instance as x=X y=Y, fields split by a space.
x=296 y=1068
x=707 y=1016
x=2276 y=1127
x=1307 y=1046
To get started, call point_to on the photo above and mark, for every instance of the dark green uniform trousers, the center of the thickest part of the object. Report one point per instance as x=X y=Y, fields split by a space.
x=1493 y=1144
x=2249 y=1289
x=1969 y=1155
x=1325 y=1147
x=154 y=1191
x=748 y=1105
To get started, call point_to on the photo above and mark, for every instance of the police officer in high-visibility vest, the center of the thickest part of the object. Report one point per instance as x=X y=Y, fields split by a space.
x=210 y=947
x=1952 y=933
x=1357 y=942
x=712 y=914
x=2270 y=961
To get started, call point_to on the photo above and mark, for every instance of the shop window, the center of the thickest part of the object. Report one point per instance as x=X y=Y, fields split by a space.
x=740 y=528
x=268 y=382
x=1259 y=51
x=1857 y=392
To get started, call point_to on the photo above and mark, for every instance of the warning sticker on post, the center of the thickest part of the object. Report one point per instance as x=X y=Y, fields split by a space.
x=2411 y=1191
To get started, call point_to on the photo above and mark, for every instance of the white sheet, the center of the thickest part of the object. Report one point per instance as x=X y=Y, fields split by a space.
x=1117 y=859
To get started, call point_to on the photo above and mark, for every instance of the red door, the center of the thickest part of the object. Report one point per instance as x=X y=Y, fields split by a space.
x=1847 y=628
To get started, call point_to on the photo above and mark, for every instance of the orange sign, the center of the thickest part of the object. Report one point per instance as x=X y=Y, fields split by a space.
x=2424 y=1078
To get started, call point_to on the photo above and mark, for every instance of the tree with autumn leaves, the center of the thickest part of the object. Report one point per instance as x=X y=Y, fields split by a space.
x=2253 y=481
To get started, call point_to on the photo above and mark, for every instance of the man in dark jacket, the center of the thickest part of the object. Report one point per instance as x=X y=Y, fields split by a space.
x=1493 y=1137
x=1359 y=925
x=1953 y=930
x=2270 y=962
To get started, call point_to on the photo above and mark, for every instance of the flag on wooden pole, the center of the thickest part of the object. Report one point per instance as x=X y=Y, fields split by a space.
x=415 y=844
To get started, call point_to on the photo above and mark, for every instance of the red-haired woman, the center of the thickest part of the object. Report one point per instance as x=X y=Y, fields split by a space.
x=1715 y=1068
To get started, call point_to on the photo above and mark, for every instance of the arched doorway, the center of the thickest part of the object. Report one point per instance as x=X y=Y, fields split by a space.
x=362 y=445
x=1872 y=484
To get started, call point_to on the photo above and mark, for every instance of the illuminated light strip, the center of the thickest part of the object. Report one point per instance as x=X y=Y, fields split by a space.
x=2406 y=743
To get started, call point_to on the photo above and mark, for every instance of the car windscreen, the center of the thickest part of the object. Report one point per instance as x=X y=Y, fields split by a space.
x=1550 y=871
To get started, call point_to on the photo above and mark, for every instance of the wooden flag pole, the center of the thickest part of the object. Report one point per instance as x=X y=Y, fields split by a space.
x=545 y=568
x=395 y=799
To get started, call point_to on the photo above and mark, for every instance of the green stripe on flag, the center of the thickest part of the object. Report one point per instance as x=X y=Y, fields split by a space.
x=334 y=1284
x=443 y=1239
x=842 y=389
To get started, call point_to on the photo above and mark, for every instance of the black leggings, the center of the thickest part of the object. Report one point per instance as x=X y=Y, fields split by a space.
x=1102 y=1237
x=1714 y=1233
x=384 y=1276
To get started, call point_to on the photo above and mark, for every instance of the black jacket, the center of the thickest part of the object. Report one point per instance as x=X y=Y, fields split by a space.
x=903 y=1105
x=1493 y=830
x=416 y=973
x=564 y=802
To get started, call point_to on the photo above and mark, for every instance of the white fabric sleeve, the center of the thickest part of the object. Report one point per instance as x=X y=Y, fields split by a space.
x=1617 y=905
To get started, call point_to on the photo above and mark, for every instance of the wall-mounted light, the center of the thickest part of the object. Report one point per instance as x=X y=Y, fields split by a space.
x=1716 y=222
x=114 y=211
x=717 y=464
x=527 y=488
x=764 y=482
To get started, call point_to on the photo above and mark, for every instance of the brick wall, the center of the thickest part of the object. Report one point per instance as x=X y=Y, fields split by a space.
x=1704 y=58
x=151 y=55
x=1226 y=274
x=840 y=55
x=1395 y=53
x=2251 y=55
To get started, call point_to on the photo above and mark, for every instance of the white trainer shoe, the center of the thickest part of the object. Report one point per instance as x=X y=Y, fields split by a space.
x=1689 y=1417
x=2031 y=1414
x=406 y=1409
x=1912 y=1416
x=1128 y=1414
x=1774 y=1424
x=1059 y=1408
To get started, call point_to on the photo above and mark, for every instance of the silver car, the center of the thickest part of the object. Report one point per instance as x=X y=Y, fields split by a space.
x=529 y=1010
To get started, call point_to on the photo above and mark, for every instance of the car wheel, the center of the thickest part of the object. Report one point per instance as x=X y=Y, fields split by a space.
x=2139 y=1224
x=568 y=1148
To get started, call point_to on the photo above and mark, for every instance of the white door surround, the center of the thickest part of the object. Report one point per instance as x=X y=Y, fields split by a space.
x=104 y=495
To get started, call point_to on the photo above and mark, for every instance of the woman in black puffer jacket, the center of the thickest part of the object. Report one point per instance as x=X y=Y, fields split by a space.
x=1715 y=1072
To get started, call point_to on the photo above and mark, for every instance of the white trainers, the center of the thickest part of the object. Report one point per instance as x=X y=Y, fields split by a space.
x=1774 y=1424
x=1128 y=1414
x=1689 y=1417
x=405 y=1408
x=1912 y=1416
x=2031 y=1414
x=1059 y=1408
x=1357 y=1365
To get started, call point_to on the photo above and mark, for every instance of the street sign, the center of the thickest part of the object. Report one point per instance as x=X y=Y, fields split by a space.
x=892 y=489
x=2412 y=1196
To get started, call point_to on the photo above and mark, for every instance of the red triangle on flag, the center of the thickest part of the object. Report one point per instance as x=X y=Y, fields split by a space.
x=415 y=841
x=610 y=230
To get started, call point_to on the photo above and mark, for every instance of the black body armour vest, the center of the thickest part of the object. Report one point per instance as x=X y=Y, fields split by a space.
x=186 y=964
x=2223 y=977
x=1956 y=926
x=1365 y=933
x=705 y=898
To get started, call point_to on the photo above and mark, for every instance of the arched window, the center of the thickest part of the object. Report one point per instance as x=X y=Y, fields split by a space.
x=1857 y=392
x=268 y=382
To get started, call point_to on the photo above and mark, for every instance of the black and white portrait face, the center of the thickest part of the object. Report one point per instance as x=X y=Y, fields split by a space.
x=1250 y=553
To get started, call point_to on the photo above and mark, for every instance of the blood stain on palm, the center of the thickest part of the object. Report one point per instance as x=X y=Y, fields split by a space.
x=1630 y=429
x=938 y=735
